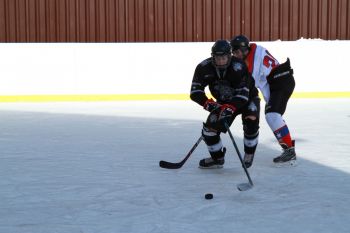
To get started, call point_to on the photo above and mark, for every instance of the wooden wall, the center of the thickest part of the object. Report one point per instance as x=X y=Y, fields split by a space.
x=171 y=20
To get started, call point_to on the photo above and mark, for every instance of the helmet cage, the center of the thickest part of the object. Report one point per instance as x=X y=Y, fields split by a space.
x=221 y=48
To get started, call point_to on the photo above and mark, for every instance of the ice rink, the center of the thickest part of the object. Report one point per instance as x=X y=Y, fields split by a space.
x=93 y=168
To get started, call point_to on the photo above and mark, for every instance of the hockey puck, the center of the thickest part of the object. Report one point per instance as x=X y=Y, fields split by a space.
x=208 y=196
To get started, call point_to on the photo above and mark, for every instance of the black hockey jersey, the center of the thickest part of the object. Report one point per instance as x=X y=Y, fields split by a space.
x=232 y=85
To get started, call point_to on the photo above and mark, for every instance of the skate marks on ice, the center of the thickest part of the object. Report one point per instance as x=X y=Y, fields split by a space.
x=99 y=173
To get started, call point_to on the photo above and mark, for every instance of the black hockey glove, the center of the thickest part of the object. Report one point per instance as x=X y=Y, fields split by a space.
x=226 y=112
x=217 y=120
x=210 y=105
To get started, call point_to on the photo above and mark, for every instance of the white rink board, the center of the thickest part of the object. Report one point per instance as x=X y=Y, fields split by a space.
x=151 y=68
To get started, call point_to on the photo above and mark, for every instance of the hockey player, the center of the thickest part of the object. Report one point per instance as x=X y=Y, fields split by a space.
x=232 y=87
x=276 y=83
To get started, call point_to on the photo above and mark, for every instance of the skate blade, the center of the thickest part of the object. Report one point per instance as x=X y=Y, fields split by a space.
x=291 y=163
x=212 y=167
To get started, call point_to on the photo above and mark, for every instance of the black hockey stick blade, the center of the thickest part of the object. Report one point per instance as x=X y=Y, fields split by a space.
x=169 y=165
x=244 y=186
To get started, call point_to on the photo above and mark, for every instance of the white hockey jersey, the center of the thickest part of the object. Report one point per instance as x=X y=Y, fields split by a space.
x=260 y=64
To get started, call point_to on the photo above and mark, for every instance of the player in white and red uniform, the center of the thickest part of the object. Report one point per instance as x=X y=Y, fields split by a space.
x=276 y=83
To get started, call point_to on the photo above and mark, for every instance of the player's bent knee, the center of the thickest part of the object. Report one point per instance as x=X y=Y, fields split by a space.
x=253 y=118
x=211 y=137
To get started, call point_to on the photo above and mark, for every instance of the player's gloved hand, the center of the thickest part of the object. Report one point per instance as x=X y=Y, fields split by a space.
x=210 y=105
x=226 y=111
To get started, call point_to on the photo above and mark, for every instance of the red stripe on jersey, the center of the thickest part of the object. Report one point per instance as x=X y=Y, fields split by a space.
x=250 y=58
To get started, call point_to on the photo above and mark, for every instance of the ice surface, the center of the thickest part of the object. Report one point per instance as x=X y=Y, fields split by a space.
x=93 y=167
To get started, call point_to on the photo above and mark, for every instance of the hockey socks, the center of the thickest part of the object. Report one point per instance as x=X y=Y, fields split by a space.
x=279 y=128
x=283 y=137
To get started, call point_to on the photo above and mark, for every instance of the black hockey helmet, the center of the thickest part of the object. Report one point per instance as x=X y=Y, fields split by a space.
x=240 y=42
x=221 y=48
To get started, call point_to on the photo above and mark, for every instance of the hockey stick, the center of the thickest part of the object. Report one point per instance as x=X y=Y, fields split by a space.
x=242 y=186
x=169 y=165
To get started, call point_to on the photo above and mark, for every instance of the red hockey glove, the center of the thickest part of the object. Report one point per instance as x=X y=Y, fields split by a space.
x=226 y=111
x=210 y=105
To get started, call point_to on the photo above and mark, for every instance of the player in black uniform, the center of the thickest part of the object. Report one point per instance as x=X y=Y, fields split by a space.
x=235 y=93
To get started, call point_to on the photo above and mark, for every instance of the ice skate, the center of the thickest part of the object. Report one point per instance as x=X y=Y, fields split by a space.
x=288 y=157
x=216 y=160
x=248 y=160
